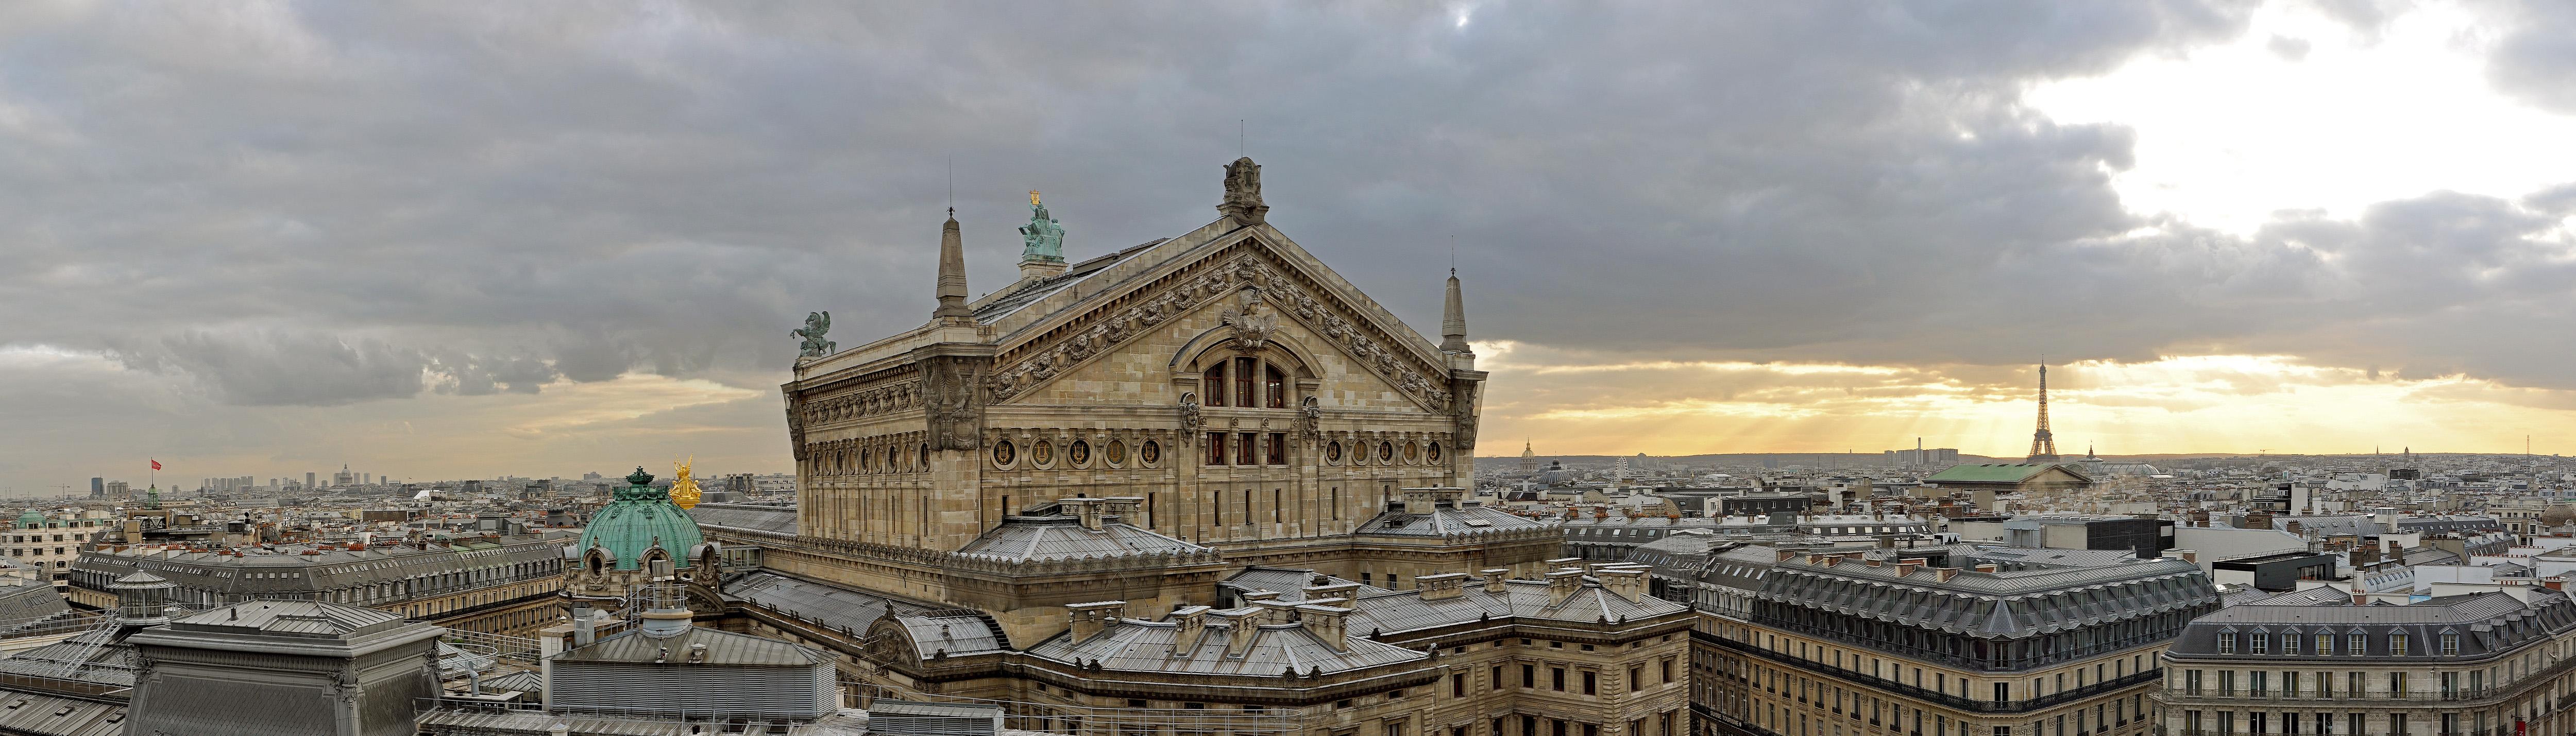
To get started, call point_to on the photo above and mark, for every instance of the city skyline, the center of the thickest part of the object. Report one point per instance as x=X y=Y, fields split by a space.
x=1816 y=235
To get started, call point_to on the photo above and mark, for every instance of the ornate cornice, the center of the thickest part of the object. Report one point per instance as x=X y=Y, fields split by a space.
x=886 y=398
x=1038 y=361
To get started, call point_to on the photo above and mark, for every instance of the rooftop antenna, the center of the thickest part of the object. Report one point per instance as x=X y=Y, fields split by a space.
x=952 y=185
x=1453 y=271
x=1239 y=127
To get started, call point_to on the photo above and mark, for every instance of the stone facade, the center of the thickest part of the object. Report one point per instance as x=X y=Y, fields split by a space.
x=1248 y=398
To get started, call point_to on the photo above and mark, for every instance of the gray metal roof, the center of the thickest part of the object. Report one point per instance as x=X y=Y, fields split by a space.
x=952 y=634
x=291 y=618
x=724 y=648
x=300 y=568
x=748 y=517
x=45 y=715
x=1447 y=519
x=1291 y=583
x=836 y=607
x=1152 y=646
x=2487 y=624
x=2032 y=593
x=1529 y=599
x=1028 y=538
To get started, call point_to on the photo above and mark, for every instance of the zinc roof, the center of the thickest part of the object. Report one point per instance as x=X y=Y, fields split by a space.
x=724 y=648
x=1063 y=537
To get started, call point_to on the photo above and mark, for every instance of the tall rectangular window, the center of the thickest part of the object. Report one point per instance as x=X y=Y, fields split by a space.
x=2325 y=644
x=1243 y=371
x=1212 y=385
x=1216 y=448
x=1244 y=453
x=1278 y=448
x=1274 y=386
x=2396 y=645
x=2356 y=645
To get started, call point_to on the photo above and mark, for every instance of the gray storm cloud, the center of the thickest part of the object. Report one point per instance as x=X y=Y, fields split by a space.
x=488 y=198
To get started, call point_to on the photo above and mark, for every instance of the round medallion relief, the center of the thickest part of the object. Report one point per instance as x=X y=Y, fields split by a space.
x=1412 y=452
x=1150 y=453
x=1079 y=452
x=1004 y=453
x=1042 y=453
x=1386 y=452
x=1333 y=453
x=1116 y=452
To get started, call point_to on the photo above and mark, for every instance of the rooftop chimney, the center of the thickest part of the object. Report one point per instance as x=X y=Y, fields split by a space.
x=1562 y=584
x=1628 y=582
x=1326 y=619
x=1441 y=587
x=1494 y=578
x=1090 y=618
x=1245 y=625
x=1193 y=628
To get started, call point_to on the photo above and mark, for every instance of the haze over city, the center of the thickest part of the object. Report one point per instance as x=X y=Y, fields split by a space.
x=453 y=240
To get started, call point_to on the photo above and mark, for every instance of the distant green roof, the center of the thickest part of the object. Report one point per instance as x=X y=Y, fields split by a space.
x=1990 y=473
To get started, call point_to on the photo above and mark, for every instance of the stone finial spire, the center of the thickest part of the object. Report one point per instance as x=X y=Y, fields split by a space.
x=952 y=272
x=1453 y=319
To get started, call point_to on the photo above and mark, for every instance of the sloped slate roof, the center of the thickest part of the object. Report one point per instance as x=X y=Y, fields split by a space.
x=2488 y=624
x=1063 y=537
x=2038 y=598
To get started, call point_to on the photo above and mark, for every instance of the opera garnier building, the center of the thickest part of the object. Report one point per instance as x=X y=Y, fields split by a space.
x=1200 y=484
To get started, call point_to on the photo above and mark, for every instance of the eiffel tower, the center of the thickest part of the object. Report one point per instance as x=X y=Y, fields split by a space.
x=2043 y=446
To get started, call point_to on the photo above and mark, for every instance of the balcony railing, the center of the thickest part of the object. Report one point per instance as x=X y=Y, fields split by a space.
x=2466 y=697
x=1960 y=702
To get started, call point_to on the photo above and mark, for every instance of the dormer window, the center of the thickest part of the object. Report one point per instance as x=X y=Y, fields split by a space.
x=2290 y=643
x=2358 y=644
x=2450 y=644
x=2325 y=644
x=2259 y=643
x=2227 y=642
x=2396 y=645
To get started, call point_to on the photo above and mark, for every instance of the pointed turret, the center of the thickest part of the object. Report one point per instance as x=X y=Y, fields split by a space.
x=1453 y=319
x=952 y=272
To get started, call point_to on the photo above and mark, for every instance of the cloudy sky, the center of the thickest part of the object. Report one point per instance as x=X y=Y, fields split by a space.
x=444 y=240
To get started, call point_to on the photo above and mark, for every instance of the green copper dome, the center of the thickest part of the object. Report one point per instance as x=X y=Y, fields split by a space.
x=30 y=520
x=640 y=518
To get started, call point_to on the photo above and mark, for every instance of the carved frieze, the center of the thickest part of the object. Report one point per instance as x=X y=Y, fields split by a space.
x=1276 y=290
x=885 y=398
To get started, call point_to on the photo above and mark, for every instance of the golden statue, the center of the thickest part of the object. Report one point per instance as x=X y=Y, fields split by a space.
x=684 y=488
x=1033 y=198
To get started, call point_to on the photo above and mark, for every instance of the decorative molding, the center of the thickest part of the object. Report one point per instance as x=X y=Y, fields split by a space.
x=886 y=398
x=1109 y=328
x=955 y=415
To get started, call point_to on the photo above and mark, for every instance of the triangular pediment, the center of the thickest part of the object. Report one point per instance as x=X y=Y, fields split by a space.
x=1099 y=314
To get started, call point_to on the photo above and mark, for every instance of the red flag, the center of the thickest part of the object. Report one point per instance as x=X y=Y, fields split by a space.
x=156 y=465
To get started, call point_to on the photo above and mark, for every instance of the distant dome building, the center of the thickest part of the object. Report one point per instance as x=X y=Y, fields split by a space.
x=642 y=525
